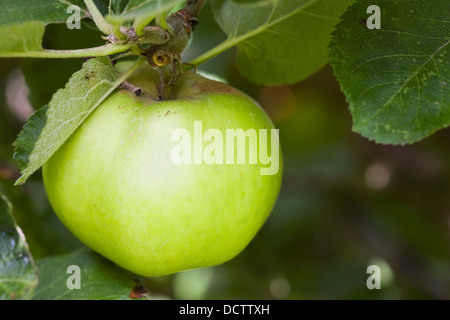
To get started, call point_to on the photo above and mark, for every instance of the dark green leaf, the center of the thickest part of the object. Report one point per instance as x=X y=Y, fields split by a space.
x=100 y=279
x=18 y=274
x=46 y=235
x=28 y=138
x=118 y=6
x=281 y=41
x=396 y=79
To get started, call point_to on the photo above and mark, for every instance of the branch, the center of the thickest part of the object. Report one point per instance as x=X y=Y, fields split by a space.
x=227 y=44
x=167 y=56
x=78 y=53
x=99 y=20
x=181 y=24
x=193 y=7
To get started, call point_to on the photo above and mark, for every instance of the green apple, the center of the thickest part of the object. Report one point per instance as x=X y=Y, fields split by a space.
x=117 y=185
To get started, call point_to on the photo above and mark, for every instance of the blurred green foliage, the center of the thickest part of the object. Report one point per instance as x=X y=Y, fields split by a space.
x=345 y=203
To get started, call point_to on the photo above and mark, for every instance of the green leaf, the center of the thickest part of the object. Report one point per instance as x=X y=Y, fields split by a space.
x=396 y=79
x=48 y=128
x=100 y=279
x=140 y=8
x=46 y=11
x=18 y=274
x=22 y=37
x=22 y=27
x=45 y=233
x=119 y=5
x=280 y=41
x=22 y=23
x=54 y=73
x=207 y=34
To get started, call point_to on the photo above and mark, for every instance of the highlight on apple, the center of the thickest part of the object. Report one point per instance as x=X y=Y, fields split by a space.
x=191 y=149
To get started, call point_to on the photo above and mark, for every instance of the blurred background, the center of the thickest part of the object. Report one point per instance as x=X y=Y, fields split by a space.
x=346 y=203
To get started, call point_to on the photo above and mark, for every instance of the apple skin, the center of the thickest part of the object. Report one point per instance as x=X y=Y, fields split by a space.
x=114 y=186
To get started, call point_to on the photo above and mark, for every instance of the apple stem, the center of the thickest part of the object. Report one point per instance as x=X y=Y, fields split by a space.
x=193 y=7
x=162 y=85
x=132 y=88
x=167 y=56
